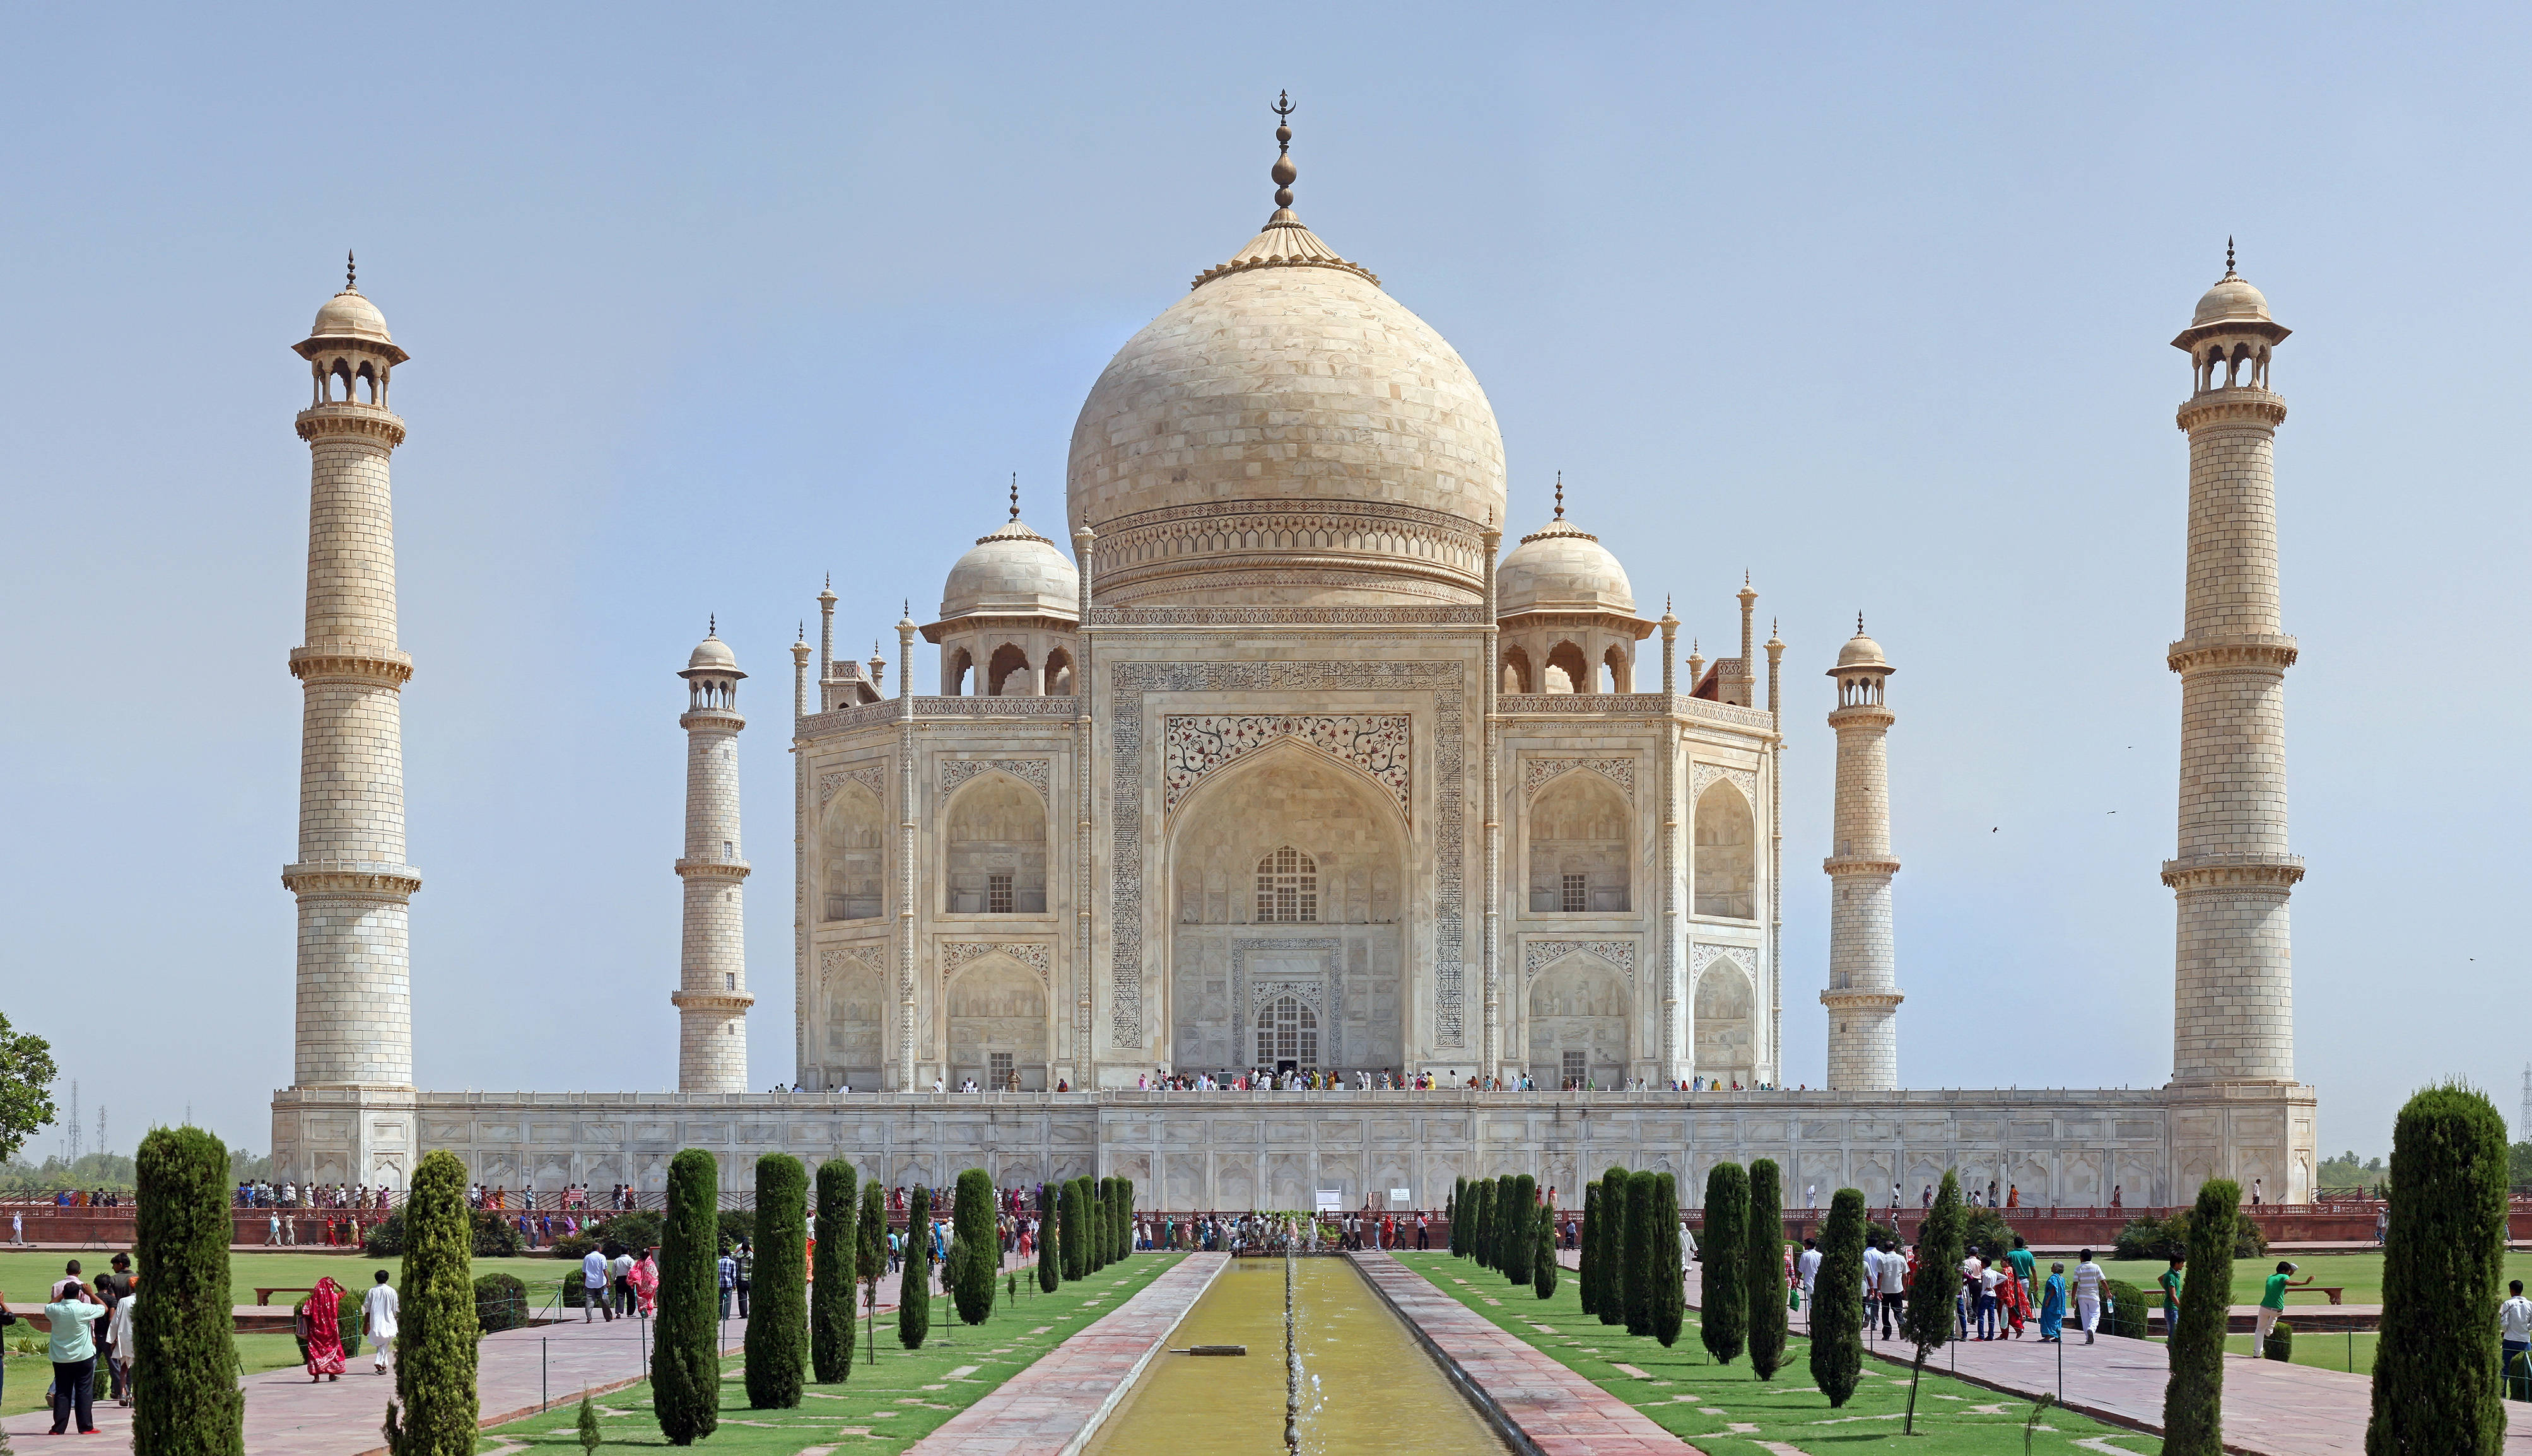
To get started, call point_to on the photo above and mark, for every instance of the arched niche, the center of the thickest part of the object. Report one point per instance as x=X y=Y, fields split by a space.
x=1577 y=847
x=1727 y=859
x=852 y=855
x=1725 y=1000
x=998 y=1025
x=854 y=998
x=1516 y=676
x=1007 y=673
x=994 y=844
x=1568 y=670
x=1059 y=673
x=1580 y=1010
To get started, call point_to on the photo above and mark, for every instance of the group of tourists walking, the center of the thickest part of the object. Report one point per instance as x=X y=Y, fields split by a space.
x=1992 y=1299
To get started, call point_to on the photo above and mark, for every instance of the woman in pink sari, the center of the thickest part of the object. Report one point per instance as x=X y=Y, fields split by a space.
x=320 y=1325
x=645 y=1279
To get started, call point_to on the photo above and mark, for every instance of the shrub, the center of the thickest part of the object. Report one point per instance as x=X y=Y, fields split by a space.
x=777 y=1324
x=1984 y=1233
x=1611 y=1300
x=634 y=1228
x=2160 y=1239
x=1837 y=1299
x=2125 y=1309
x=1726 y=1309
x=1669 y=1296
x=586 y=1427
x=491 y=1237
x=190 y=1404
x=685 y=1355
x=1519 y=1237
x=2193 y=1416
x=2280 y=1345
x=914 y=1281
x=830 y=1294
x=1927 y=1318
x=501 y=1303
x=2435 y=1387
x=1764 y=1273
x=1585 y=1276
x=977 y=1248
x=434 y=1370
x=1543 y=1256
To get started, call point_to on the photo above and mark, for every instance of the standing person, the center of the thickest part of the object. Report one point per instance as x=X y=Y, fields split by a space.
x=110 y=1290
x=320 y=1325
x=643 y=1276
x=2088 y=1295
x=728 y=1270
x=593 y=1287
x=1872 y=1256
x=273 y=1232
x=2053 y=1304
x=2272 y=1303
x=1806 y=1270
x=2255 y=1187
x=745 y=1274
x=2515 y=1337
x=2020 y=1261
x=2170 y=1282
x=1424 y=1231
x=1894 y=1289
x=18 y=1229
x=619 y=1279
x=379 y=1310
x=118 y=1335
x=73 y=1352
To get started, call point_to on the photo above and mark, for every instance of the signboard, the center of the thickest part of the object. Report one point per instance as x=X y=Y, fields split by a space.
x=1398 y=1196
x=1331 y=1199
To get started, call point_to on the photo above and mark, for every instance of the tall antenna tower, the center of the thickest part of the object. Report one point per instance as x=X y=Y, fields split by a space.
x=103 y=1146
x=73 y=1128
x=2524 y=1119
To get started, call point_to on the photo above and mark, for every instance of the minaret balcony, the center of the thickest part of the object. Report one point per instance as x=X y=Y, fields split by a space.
x=1860 y=865
x=350 y=662
x=1862 y=1000
x=730 y=1003
x=2254 y=651
x=732 y=870
x=2241 y=404
x=341 y=418
x=352 y=878
x=2239 y=871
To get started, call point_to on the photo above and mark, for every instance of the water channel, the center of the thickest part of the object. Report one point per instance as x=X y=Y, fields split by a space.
x=1367 y=1385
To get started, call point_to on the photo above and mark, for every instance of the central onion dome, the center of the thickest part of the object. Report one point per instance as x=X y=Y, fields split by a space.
x=1288 y=433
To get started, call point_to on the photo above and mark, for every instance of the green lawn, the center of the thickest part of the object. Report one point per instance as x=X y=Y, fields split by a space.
x=1726 y=1411
x=897 y=1400
x=2360 y=1273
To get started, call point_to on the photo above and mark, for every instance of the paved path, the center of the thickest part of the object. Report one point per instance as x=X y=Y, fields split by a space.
x=1051 y=1406
x=289 y=1414
x=1558 y=1411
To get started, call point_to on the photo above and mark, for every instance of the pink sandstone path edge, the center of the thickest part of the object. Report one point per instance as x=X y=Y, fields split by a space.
x=1052 y=1408
x=1546 y=1409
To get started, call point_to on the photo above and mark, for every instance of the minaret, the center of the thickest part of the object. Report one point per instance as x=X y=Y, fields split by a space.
x=712 y=999
x=2234 y=1014
x=355 y=1012
x=1862 y=997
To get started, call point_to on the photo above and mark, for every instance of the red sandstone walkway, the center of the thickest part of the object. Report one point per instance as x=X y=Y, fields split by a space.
x=1558 y=1411
x=1054 y=1404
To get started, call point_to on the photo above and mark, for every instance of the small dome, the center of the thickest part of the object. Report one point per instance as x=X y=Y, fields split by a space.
x=713 y=654
x=1562 y=568
x=2232 y=300
x=1861 y=651
x=349 y=315
x=1014 y=572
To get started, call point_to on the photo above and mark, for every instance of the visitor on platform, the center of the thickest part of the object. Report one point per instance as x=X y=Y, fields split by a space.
x=593 y=1287
x=2272 y=1304
x=2052 y=1303
x=379 y=1310
x=321 y=1330
x=74 y=1354
x=2088 y=1295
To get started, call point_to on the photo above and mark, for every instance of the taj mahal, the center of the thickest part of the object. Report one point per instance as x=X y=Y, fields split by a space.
x=1293 y=748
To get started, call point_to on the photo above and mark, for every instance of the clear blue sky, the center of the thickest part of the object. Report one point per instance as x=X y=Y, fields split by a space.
x=704 y=303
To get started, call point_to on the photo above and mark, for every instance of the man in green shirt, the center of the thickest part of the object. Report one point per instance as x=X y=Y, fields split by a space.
x=2170 y=1282
x=2025 y=1270
x=2272 y=1305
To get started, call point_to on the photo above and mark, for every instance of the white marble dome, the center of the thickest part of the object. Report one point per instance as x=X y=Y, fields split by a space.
x=1562 y=568
x=712 y=654
x=1861 y=651
x=349 y=315
x=2232 y=300
x=1015 y=571
x=1287 y=432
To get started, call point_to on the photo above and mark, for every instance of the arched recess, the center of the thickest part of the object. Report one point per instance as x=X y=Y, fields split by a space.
x=1516 y=677
x=1726 y=853
x=1007 y=659
x=856 y=1024
x=1223 y=959
x=852 y=855
x=1568 y=670
x=1724 y=1001
x=1577 y=847
x=1622 y=673
x=1579 y=1011
x=994 y=842
x=954 y=678
x=1059 y=673
x=998 y=1025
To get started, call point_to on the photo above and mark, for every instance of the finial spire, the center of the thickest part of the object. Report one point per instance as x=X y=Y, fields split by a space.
x=1859 y=624
x=2228 y=254
x=1283 y=171
x=1015 y=495
x=351 y=273
x=712 y=624
x=1560 y=495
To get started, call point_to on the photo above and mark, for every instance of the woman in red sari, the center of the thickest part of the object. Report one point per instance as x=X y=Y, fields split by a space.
x=320 y=1325
x=645 y=1279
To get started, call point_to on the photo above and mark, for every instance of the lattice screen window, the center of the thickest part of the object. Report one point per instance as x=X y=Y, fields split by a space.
x=1577 y=894
x=997 y=894
x=1287 y=887
x=1288 y=1032
x=997 y=1071
x=1574 y=1068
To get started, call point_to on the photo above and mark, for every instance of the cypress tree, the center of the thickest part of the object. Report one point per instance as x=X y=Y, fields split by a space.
x=1543 y=1256
x=1724 y=1271
x=2436 y=1382
x=2193 y=1415
x=190 y=1405
x=915 y=1283
x=1644 y=1254
x=1506 y=1217
x=586 y=1427
x=1670 y=1295
x=973 y=1219
x=685 y=1353
x=831 y=1298
x=1125 y=1218
x=1584 y=1289
x=1837 y=1299
x=870 y=1252
x=1094 y=1227
x=1928 y=1319
x=1049 y=1274
x=1069 y=1219
x=1451 y=1207
x=1518 y=1235
x=433 y=1413
x=1764 y=1272
x=1479 y=1195
x=1611 y=1300
x=778 y=1320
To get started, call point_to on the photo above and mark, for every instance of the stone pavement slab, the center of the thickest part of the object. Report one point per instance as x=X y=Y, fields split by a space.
x=1553 y=1410
x=1053 y=1406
